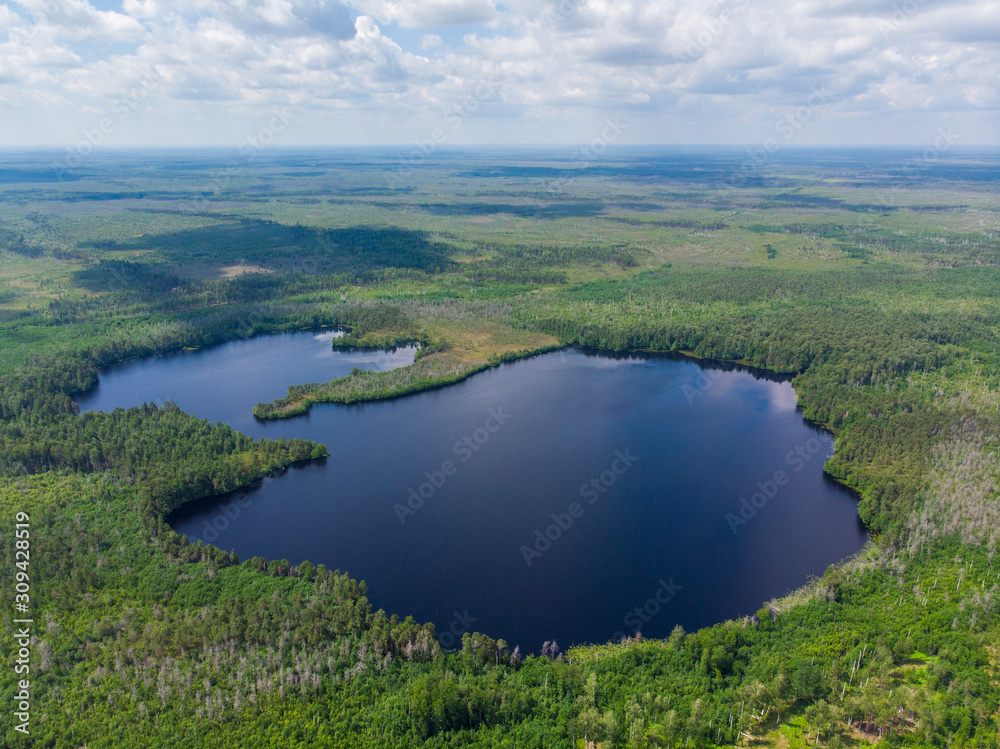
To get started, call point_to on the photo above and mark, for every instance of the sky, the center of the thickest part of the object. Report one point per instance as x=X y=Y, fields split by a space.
x=434 y=73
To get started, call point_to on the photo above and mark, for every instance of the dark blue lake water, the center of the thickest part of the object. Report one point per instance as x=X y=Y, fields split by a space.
x=573 y=496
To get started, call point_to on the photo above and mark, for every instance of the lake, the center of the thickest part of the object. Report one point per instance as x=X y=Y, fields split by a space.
x=573 y=496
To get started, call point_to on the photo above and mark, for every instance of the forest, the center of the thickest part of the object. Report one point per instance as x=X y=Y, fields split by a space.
x=885 y=315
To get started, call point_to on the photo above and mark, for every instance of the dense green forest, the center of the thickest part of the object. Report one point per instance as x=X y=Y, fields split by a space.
x=887 y=315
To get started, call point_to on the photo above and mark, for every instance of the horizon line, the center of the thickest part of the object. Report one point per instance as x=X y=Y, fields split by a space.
x=6 y=148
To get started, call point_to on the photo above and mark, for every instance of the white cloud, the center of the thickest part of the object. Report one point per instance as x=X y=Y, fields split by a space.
x=430 y=41
x=430 y=13
x=980 y=96
x=677 y=69
x=79 y=19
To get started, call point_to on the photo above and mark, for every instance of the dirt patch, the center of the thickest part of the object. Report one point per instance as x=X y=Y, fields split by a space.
x=232 y=271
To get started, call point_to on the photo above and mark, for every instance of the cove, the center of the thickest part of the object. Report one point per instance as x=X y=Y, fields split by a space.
x=573 y=496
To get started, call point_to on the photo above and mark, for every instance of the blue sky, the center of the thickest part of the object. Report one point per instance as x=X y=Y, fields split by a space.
x=454 y=72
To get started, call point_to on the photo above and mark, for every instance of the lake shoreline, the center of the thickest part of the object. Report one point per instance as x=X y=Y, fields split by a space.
x=679 y=356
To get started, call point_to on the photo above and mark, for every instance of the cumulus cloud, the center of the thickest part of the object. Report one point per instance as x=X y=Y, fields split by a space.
x=79 y=19
x=718 y=69
x=430 y=41
x=430 y=13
